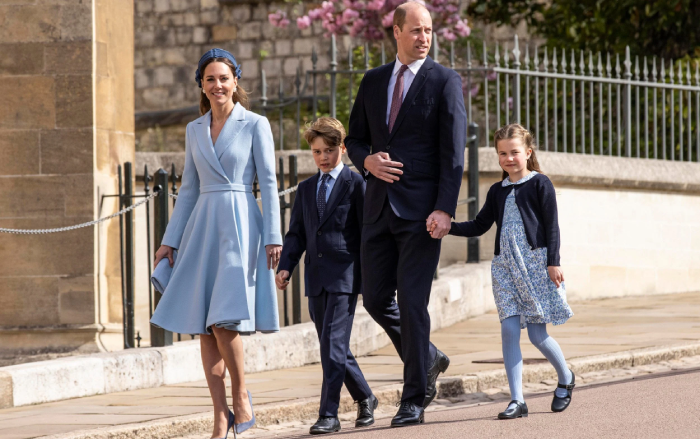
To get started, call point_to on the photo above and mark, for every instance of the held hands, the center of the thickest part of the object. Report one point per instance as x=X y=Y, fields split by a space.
x=556 y=275
x=381 y=166
x=282 y=279
x=273 y=253
x=164 y=252
x=438 y=224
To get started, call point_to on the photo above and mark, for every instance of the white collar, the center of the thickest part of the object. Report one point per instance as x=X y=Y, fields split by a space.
x=507 y=182
x=413 y=67
x=335 y=172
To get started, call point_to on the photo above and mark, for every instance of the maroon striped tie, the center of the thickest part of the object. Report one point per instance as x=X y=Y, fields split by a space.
x=397 y=97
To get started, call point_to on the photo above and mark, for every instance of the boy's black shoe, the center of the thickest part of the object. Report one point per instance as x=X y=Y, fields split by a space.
x=516 y=409
x=325 y=424
x=440 y=365
x=365 y=411
x=560 y=404
x=408 y=414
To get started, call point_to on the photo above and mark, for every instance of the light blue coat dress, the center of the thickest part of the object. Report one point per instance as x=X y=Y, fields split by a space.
x=220 y=276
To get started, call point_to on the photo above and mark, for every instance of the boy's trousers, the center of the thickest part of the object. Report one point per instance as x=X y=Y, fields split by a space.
x=333 y=315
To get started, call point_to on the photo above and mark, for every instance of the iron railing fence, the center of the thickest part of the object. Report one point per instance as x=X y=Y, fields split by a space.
x=573 y=102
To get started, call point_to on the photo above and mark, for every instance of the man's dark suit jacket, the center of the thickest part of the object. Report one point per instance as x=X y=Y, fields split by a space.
x=332 y=244
x=428 y=137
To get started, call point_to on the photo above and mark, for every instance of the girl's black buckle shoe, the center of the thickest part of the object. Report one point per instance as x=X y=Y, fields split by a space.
x=516 y=409
x=560 y=404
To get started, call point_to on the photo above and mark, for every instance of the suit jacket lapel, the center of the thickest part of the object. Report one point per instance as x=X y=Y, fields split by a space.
x=312 y=213
x=416 y=85
x=203 y=134
x=339 y=188
x=383 y=94
x=231 y=129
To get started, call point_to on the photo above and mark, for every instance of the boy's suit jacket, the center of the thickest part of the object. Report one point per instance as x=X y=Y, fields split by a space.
x=332 y=244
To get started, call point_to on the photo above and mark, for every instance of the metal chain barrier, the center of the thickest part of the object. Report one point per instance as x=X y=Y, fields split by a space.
x=78 y=226
x=114 y=215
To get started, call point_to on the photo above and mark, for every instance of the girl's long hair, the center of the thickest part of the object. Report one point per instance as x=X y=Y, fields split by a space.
x=517 y=131
x=239 y=96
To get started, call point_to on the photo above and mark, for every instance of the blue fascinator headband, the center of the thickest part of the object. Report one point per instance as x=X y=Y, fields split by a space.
x=215 y=53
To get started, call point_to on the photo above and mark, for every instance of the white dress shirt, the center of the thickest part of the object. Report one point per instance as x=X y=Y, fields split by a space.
x=408 y=76
x=335 y=172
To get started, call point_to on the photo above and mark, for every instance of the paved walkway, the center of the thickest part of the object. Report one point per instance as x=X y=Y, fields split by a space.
x=599 y=327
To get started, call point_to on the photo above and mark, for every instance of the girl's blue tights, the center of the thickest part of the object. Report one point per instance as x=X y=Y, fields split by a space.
x=513 y=358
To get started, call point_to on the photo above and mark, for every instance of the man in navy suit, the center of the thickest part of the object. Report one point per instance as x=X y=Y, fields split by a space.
x=326 y=222
x=407 y=137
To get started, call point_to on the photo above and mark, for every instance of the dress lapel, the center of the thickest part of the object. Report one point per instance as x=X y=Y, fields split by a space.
x=339 y=188
x=416 y=85
x=230 y=131
x=203 y=133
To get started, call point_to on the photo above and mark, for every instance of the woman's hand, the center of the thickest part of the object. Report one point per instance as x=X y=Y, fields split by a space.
x=164 y=252
x=273 y=252
x=556 y=275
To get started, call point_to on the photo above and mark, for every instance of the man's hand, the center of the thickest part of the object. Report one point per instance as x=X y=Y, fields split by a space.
x=282 y=279
x=381 y=166
x=556 y=275
x=438 y=224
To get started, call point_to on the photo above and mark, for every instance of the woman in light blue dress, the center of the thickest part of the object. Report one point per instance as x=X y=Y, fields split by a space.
x=222 y=282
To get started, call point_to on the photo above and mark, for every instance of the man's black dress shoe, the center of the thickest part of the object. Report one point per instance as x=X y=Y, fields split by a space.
x=516 y=409
x=365 y=411
x=325 y=424
x=408 y=414
x=560 y=404
x=440 y=365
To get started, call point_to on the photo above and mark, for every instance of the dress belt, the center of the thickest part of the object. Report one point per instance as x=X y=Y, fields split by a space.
x=234 y=187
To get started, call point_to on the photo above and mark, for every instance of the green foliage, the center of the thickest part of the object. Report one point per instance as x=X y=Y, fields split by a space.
x=667 y=29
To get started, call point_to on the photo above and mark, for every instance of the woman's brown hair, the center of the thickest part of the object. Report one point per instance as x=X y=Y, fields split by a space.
x=517 y=131
x=239 y=96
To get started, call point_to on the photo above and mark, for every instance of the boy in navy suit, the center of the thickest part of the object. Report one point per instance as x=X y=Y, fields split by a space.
x=326 y=222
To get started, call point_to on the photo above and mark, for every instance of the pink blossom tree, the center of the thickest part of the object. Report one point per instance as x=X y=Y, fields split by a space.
x=372 y=20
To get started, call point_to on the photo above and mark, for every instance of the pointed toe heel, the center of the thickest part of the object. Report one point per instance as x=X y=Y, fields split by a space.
x=240 y=428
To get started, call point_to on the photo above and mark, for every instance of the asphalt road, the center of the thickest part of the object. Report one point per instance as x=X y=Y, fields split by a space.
x=658 y=406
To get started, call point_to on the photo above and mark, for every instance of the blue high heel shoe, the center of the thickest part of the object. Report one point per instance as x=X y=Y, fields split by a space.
x=240 y=428
x=231 y=423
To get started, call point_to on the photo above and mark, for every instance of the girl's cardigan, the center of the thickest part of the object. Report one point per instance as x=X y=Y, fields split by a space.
x=537 y=204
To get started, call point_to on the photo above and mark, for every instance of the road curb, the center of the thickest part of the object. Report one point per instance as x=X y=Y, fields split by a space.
x=451 y=386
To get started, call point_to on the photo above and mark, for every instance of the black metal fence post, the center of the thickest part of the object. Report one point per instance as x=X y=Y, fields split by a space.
x=473 y=194
x=296 y=280
x=159 y=336
x=283 y=225
x=127 y=200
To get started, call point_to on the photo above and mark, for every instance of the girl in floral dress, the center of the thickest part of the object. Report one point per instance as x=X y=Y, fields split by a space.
x=528 y=283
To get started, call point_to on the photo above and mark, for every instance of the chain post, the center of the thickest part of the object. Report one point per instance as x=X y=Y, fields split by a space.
x=473 y=192
x=127 y=197
x=147 y=191
x=159 y=336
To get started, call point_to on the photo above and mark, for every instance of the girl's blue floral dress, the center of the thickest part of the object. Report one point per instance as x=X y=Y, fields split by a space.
x=521 y=283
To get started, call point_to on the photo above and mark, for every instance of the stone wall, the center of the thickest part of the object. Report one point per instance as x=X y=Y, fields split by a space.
x=66 y=93
x=171 y=36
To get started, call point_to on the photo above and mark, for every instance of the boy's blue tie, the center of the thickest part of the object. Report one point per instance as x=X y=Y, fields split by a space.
x=321 y=198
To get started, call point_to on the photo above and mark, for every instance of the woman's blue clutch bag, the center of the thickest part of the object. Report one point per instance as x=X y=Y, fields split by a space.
x=161 y=275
